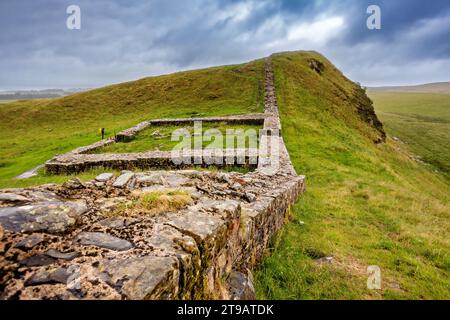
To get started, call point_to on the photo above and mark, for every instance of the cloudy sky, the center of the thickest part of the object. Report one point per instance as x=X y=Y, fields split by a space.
x=124 y=40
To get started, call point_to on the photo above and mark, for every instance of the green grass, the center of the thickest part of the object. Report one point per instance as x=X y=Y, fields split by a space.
x=160 y=138
x=36 y=130
x=422 y=121
x=365 y=204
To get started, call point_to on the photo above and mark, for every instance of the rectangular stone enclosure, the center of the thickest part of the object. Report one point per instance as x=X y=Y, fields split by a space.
x=89 y=157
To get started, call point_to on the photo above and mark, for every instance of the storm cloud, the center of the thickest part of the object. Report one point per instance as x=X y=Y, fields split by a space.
x=126 y=40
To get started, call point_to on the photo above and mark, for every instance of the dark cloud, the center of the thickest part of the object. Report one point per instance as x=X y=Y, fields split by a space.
x=123 y=40
x=398 y=15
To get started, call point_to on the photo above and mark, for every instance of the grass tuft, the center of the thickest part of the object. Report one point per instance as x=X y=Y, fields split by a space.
x=154 y=203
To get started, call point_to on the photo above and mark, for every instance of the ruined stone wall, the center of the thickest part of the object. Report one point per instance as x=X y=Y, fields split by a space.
x=80 y=159
x=77 y=162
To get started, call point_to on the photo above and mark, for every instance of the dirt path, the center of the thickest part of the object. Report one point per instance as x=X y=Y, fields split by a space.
x=30 y=173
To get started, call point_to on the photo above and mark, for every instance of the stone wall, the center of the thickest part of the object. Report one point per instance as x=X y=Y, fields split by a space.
x=70 y=163
x=80 y=160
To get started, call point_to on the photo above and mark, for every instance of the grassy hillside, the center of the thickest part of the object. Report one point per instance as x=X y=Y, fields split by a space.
x=34 y=131
x=366 y=204
x=422 y=121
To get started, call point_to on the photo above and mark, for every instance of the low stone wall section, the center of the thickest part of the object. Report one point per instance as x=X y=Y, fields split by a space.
x=64 y=242
x=75 y=163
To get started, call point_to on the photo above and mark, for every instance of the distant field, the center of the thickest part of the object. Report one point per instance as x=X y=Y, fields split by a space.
x=421 y=120
x=440 y=87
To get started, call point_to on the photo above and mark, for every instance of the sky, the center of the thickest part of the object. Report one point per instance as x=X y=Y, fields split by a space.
x=123 y=40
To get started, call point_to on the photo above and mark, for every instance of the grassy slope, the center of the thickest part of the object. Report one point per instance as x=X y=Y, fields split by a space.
x=34 y=131
x=365 y=204
x=422 y=120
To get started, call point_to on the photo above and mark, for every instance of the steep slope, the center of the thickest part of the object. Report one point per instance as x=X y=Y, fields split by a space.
x=34 y=131
x=366 y=203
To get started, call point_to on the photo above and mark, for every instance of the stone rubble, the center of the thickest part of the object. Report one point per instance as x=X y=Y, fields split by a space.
x=104 y=177
x=123 y=180
x=30 y=241
x=103 y=240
